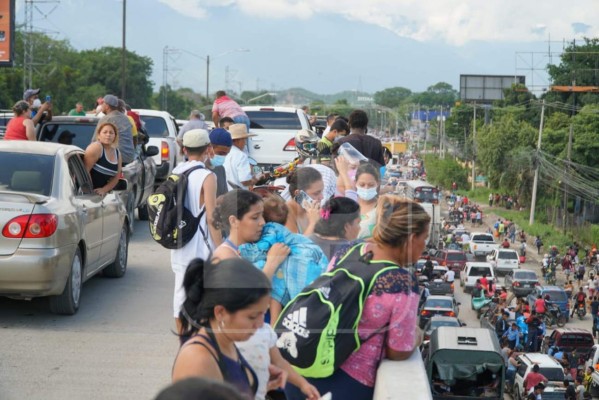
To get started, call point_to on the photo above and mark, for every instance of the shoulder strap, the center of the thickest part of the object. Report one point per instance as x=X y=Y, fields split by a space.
x=204 y=234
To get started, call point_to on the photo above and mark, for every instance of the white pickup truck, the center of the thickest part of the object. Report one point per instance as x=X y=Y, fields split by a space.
x=474 y=271
x=162 y=129
x=482 y=244
x=504 y=260
x=275 y=129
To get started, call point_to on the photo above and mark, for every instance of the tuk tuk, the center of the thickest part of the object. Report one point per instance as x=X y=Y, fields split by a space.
x=465 y=363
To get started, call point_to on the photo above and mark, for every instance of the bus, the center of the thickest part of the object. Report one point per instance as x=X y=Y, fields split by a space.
x=422 y=192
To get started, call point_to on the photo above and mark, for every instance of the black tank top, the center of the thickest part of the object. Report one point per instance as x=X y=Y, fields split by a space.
x=104 y=170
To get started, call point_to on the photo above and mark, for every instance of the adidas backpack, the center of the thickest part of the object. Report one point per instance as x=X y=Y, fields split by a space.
x=318 y=330
x=171 y=223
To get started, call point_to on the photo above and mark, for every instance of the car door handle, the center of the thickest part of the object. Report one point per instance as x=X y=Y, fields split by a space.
x=257 y=146
x=83 y=210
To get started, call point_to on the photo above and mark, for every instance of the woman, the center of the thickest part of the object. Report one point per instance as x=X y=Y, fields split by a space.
x=305 y=189
x=368 y=182
x=240 y=212
x=225 y=303
x=103 y=159
x=21 y=126
x=339 y=224
x=391 y=308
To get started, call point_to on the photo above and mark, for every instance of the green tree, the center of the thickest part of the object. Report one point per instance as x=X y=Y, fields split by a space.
x=439 y=94
x=179 y=106
x=392 y=97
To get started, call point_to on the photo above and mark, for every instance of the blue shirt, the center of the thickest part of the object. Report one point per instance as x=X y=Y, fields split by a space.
x=513 y=335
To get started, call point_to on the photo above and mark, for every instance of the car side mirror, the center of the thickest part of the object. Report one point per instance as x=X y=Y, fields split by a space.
x=151 y=151
x=122 y=185
x=459 y=304
x=462 y=324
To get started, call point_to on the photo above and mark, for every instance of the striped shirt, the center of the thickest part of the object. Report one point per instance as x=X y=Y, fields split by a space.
x=104 y=169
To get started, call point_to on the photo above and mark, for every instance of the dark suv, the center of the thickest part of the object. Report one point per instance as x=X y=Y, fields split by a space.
x=557 y=296
x=456 y=259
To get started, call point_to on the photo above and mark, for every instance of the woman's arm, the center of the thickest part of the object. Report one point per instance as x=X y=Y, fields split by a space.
x=93 y=152
x=29 y=129
x=209 y=189
x=313 y=212
x=275 y=311
x=292 y=376
x=291 y=222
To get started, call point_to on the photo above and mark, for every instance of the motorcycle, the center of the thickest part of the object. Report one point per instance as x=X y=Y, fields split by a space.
x=554 y=316
x=478 y=303
x=581 y=311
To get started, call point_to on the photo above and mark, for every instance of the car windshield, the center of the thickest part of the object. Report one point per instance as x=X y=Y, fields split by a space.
x=482 y=238
x=525 y=275
x=555 y=295
x=552 y=374
x=479 y=271
x=23 y=172
x=274 y=120
x=508 y=255
x=155 y=126
x=438 y=303
x=68 y=133
x=456 y=256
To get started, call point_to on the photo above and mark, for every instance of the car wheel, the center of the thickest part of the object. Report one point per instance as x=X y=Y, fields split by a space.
x=118 y=268
x=67 y=303
x=516 y=392
x=142 y=212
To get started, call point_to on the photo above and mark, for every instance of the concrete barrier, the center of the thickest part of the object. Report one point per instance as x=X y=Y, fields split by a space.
x=402 y=380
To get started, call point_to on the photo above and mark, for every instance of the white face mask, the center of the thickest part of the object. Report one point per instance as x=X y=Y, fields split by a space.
x=37 y=103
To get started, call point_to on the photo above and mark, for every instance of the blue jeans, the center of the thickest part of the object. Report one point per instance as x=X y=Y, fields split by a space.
x=340 y=384
x=242 y=119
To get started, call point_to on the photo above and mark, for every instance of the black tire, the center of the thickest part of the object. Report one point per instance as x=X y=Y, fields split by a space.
x=561 y=321
x=118 y=268
x=142 y=212
x=67 y=303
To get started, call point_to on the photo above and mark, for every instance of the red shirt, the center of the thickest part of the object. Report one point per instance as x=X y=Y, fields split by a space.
x=540 y=306
x=15 y=130
x=136 y=119
x=533 y=379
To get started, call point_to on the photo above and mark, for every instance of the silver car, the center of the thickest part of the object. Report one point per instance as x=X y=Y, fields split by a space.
x=56 y=232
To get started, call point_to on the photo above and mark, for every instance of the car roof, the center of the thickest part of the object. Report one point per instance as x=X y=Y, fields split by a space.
x=572 y=330
x=507 y=251
x=444 y=318
x=543 y=288
x=43 y=148
x=454 y=251
x=525 y=270
x=463 y=338
x=68 y=118
x=544 y=360
x=269 y=108
x=483 y=233
x=438 y=297
x=152 y=113
x=479 y=264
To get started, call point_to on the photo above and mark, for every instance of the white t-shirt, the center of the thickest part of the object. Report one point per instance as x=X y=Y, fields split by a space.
x=180 y=258
x=592 y=284
x=256 y=352
x=237 y=167
x=449 y=276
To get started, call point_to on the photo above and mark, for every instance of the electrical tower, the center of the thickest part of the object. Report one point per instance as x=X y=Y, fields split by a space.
x=168 y=53
x=28 y=39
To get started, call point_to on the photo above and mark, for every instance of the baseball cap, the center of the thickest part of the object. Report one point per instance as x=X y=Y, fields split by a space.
x=30 y=92
x=111 y=100
x=221 y=137
x=196 y=138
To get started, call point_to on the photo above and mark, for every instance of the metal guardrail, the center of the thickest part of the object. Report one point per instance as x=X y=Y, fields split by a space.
x=402 y=380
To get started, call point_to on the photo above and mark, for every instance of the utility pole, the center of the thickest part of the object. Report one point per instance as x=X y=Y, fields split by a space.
x=124 y=55
x=473 y=146
x=533 y=202
x=207 y=77
x=569 y=152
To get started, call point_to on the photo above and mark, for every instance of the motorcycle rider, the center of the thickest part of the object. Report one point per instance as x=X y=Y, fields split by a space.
x=580 y=301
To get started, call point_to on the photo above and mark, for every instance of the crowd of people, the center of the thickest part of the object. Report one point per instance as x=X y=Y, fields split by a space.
x=255 y=251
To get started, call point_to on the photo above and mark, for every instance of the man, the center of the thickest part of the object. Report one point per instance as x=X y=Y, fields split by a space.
x=570 y=390
x=221 y=142
x=330 y=119
x=237 y=164
x=537 y=393
x=196 y=121
x=540 y=305
x=533 y=322
x=201 y=194
x=428 y=268
x=533 y=379
x=110 y=107
x=337 y=130
x=78 y=110
x=502 y=325
x=44 y=111
x=369 y=146
x=449 y=276
x=512 y=334
x=225 y=122
x=580 y=300
x=224 y=106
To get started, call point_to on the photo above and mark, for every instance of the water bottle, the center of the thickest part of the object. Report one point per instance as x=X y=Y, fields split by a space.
x=352 y=155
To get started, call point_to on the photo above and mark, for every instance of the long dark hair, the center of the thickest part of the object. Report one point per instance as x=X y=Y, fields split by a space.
x=233 y=283
x=335 y=214
x=235 y=202
x=302 y=178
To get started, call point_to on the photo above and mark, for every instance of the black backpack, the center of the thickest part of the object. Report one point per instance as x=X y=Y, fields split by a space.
x=318 y=329
x=171 y=223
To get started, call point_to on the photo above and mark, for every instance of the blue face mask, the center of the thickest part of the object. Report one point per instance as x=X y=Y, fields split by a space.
x=217 y=160
x=367 y=194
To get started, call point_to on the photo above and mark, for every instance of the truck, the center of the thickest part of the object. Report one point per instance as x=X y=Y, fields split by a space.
x=434 y=228
x=275 y=129
x=482 y=244
x=474 y=271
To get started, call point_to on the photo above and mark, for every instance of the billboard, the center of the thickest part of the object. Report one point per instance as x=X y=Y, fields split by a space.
x=7 y=32
x=486 y=88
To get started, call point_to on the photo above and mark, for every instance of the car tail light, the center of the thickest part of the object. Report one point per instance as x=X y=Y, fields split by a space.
x=31 y=226
x=537 y=284
x=425 y=313
x=449 y=314
x=444 y=263
x=567 y=305
x=516 y=284
x=165 y=152
x=451 y=286
x=290 y=146
x=475 y=247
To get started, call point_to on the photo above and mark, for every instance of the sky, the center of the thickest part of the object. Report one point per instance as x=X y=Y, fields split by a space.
x=326 y=46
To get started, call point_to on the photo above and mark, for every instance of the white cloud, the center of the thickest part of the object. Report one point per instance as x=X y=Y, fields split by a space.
x=452 y=21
